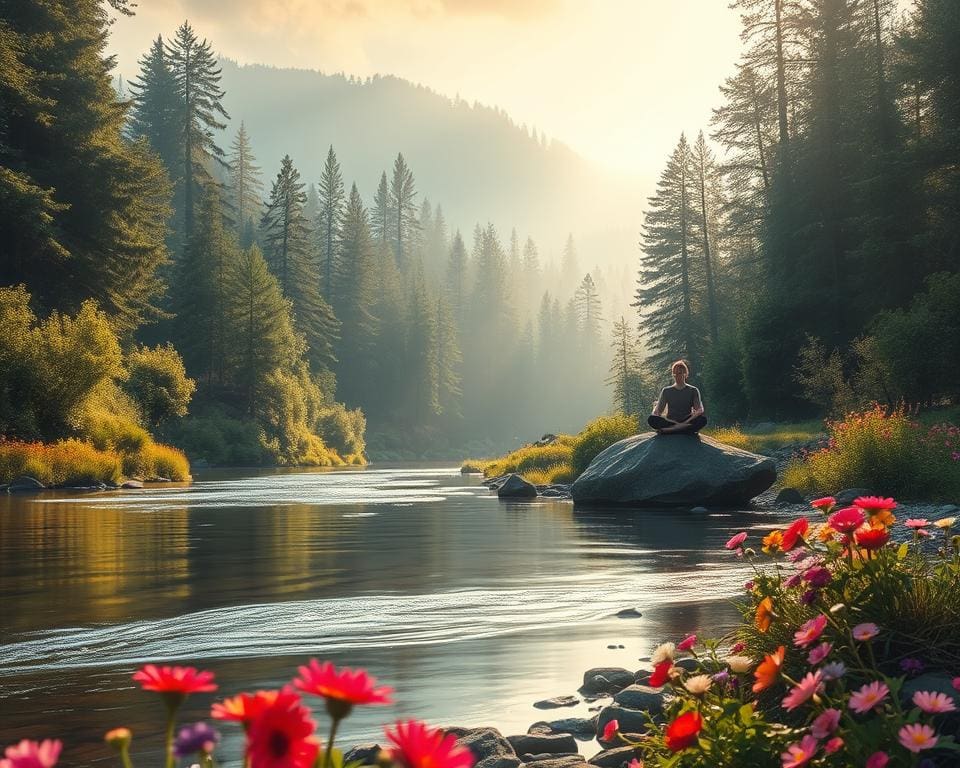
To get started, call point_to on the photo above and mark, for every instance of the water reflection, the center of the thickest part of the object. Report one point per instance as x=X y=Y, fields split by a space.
x=473 y=609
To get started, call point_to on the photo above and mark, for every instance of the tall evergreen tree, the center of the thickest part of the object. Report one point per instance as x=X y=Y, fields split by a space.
x=457 y=278
x=421 y=349
x=83 y=210
x=197 y=77
x=587 y=301
x=382 y=216
x=707 y=194
x=569 y=264
x=331 y=200
x=286 y=241
x=403 y=207
x=448 y=361
x=625 y=371
x=156 y=113
x=246 y=186
x=668 y=276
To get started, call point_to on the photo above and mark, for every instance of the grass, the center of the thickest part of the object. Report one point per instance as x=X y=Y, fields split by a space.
x=764 y=440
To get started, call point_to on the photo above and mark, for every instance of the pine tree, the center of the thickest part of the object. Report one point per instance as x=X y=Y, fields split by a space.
x=403 y=208
x=707 y=195
x=668 y=279
x=246 y=186
x=381 y=219
x=448 y=362
x=457 y=278
x=625 y=371
x=569 y=264
x=83 y=210
x=356 y=292
x=331 y=200
x=197 y=77
x=155 y=113
x=200 y=294
x=261 y=329
x=421 y=348
x=286 y=241
x=587 y=302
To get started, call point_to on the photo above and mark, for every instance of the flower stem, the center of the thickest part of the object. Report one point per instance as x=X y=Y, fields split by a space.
x=125 y=757
x=328 y=754
x=171 y=723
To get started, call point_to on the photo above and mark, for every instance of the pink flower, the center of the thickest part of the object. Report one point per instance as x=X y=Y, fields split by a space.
x=687 y=643
x=834 y=745
x=610 y=730
x=32 y=754
x=736 y=541
x=956 y=683
x=817 y=577
x=793 y=581
x=800 y=753
x=811 y=684
x=847 y=520
x=810 y=632
x=916 y=522
x=933 y=703
x=417 y=745
x=351 y=686
x=825 y=505
x=740 y=647
x=865 y=631
x=868 y=697
x=917 y=737
x=874 y=504
x=826 y=723
x=819 y=653
x=877 y=760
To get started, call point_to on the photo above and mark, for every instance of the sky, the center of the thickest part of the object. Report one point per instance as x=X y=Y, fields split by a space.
x=616 y=80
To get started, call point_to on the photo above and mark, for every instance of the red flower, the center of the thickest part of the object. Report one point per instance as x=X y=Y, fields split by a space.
x=687 y=643
x=610 y=730
x=872 y=504
x=243 y=707
x=661 y=673
x=417 y=745
x=846 y=520
x=871 y=538
x=794 y=533
x=281 y=735
x=32 y=754
x=347 y=685
x=825 y=505
x=683 y=731
x=181 y=680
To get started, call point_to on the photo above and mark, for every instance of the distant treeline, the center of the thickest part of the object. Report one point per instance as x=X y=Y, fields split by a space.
x=815 y=265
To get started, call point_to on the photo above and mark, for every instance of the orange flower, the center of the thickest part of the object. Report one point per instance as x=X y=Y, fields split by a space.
x=768 y=671
x=773 y=542
x=764 y=615
x=243 y=707
x=882 y=519
x=824 y=532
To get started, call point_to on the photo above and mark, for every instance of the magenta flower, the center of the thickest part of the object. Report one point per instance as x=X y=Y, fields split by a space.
x=825 y=505
x=799 y=753
x=748 y=585
x=916 y=522
x=811 y=684
x=847 y=520
x=610 y=730
x=793 y=581
x=826 y=723
x=877 y=760
x=740 y=647
x=911 y=666
x=687 y=643
x=868 y=697
x=917 y=737
x=934 y=702
x=834 y=745
x=810 y=632
x=819 y=653
x=956 y=683
x=32 y=754
x=737 y=541
x=817 y=577
x=866 y=631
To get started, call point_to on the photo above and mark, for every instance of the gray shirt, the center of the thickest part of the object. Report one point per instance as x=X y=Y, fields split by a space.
x=679 y=402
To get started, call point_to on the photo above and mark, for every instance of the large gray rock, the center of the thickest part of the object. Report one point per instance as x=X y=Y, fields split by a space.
x=630 y=720
x=578 y=727
x=673 y=470
x=362 y=753
x=516 y=487
x=613 y=758
x=551 y=761
x=643 y=698
x=488 y=746
x=606 y=679
x=556 y=702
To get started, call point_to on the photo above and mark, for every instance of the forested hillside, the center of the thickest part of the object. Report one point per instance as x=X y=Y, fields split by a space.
x=808 y=259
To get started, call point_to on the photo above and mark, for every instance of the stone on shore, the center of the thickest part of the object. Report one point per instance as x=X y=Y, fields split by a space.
x=673 y=470
x=488 y=746
x=630 y=720
x=578 y=727
x=515 y=487
x=606 y=680
x=641 y=697
x=365 y=754
x=554 y=761
x=25 y=483
x=536 y=744
x=557 y=702
x=613 y=758
x=131 y=484
x=789 y=496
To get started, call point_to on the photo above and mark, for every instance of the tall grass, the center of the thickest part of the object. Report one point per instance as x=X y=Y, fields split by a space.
x=67 y=462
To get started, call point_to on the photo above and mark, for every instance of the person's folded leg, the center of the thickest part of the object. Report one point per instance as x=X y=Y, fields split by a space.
x=694 y=426
x=658 y=422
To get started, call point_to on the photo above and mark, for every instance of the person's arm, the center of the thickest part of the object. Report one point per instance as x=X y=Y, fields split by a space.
x=661 y=404
x=697 y=409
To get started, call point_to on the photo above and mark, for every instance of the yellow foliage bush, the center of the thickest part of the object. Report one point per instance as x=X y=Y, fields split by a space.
x=599 y=434
x=67 y=462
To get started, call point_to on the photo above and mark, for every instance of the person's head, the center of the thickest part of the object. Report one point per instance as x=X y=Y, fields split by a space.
x=680 y=372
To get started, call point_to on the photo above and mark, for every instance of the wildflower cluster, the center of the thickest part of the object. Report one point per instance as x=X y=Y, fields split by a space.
x=820 y=673
x=279 y=728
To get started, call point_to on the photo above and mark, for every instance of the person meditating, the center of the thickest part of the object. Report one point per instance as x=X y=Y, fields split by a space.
x=682 y=403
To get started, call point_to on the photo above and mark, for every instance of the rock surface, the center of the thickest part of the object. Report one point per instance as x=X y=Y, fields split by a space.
x=789 y=496
x=364 y=753
x=630 y=720
x=613 y=758
x=488 y=746
x=538 y=744
x=673 y=470
x=25 y=483
x=641 y=697
x=606 y=680
x=556 y=702
x=515 y=487
x=555 y=761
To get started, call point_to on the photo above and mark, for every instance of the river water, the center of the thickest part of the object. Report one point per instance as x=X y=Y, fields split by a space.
x=470 y=607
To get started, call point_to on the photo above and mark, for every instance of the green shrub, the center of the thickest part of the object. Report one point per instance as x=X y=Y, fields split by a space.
x=530 y=458
x=158 y=381
x=213 y=435
x=343 y=430
x=67 y=462
x=598 y=435
x=876 y=449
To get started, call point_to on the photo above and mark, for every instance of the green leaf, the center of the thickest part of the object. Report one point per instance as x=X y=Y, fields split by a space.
x=902 y=551
x=746 y=714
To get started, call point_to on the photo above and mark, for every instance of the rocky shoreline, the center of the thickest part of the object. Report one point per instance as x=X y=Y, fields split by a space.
x=27 y=484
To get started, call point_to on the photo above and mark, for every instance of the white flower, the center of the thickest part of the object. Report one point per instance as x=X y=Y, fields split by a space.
x=663 y=652
x=698 y=684
x=739 y=664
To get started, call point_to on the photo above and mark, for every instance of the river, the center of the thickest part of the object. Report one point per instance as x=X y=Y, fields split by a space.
x=472 y=608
